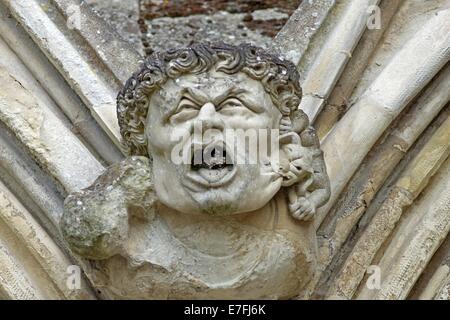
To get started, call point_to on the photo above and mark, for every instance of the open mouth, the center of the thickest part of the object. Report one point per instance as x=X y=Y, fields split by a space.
x=211 y=165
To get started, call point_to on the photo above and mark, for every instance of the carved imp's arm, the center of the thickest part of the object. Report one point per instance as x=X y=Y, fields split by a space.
x=311 y=193
x=95 y=220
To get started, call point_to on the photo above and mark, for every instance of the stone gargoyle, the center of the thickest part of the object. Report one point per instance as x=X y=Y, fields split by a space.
x=188 y=215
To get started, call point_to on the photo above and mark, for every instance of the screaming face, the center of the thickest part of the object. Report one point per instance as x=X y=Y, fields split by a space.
x=205 y=133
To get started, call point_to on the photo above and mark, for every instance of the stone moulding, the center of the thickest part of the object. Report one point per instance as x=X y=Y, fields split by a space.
x=95 y=86
x=371 y=176
x=406 y=75
x=395 y=79
x=332 y=59
x=35 y=60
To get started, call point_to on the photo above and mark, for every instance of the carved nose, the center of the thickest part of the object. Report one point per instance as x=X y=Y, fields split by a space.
x=207 y=110
x=209 y=117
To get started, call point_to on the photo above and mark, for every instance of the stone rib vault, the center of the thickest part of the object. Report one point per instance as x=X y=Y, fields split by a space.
x=380 y=103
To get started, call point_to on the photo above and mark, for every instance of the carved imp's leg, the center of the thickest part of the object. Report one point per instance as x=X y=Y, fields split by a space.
x=95 y=220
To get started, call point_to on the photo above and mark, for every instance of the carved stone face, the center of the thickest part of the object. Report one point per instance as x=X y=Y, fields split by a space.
x=200 y=110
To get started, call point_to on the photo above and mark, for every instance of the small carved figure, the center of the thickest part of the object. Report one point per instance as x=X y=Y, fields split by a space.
x=306 y=175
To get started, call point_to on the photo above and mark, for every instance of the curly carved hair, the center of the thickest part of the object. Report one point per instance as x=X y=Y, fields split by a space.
x=279 y=78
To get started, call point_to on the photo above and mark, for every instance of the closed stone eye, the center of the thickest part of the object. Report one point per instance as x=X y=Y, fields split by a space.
x=230 y=103
x=186 y=103
x=187 y=109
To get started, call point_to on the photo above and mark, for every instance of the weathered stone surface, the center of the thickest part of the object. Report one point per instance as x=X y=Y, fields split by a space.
x=26 y=109
x=407 y=188
x=293 y=40
x=33 y=189
x=95 y=86
x=382 y=161
x=173 y=24
x=33 y=186
x=407 y=73
x=110 y=50
x=32 y=265
x=332 y=59
x=84 y=125
x=444 y=292
x=197 y=229
x=122 y=16
x=339 y=99
x=98 y=225
x=166 y=33
x=425 y=232
x=437 y=285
